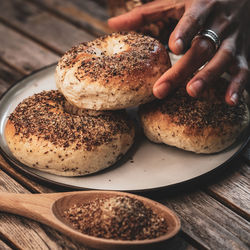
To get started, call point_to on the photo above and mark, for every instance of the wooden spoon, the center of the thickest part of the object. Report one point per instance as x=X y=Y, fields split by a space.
x=49 y=209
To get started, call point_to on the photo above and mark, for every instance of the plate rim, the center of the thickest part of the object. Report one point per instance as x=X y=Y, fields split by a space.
x=16 y=164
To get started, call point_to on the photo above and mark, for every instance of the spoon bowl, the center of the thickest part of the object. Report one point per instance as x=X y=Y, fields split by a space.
x=49 y=209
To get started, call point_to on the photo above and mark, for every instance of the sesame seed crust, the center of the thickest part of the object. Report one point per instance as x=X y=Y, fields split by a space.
x=41 y=123
x=124 y=64
x=139 y=55
x=200 y=113
x=43 y=115
x=203 y=125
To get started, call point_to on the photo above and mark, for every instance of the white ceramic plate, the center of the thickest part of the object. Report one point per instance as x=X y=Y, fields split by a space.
x=147 y=166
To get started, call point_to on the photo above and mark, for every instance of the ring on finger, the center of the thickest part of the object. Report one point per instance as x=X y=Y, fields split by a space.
x=209 y=34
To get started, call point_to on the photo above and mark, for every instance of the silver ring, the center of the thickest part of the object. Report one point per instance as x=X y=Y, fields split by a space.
x=210 y=34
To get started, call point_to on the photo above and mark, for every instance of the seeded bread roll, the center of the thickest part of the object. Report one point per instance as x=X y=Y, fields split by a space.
x=116 y=71
x=43 y=135
x=204 y=125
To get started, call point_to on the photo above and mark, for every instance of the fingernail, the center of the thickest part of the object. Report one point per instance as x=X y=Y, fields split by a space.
x=195 y=88
x=179 y=45
x=234 y=98
x=161 y=90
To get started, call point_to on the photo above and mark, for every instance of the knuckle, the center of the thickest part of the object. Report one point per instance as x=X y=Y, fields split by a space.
x=243 y=66
x=210 y=4
x=242 y=78
x=229 y=52
x=205 y=77
x=177 y=76
x=192 y=18
x=208 y=75
x=228 y=46
x=227 y=21
x=238 y=83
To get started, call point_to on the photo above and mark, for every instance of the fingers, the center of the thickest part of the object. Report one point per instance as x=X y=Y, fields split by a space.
x=219 y=64
x=147 y=13
x=198 y=15
x=189 y=25
x=238 y=82
x=128 y=21
x=199 y=53
x=213 y=70
x=223 y=24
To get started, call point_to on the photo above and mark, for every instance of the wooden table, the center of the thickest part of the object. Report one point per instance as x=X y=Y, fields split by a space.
x=214 y=210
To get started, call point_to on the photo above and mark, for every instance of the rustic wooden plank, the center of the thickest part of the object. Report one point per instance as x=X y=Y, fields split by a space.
x=8 y=76
x=189 y=233
x=233 y=190
x=22 y=53
x=177 y=243
x=95 y=8
x=23 y=179
x=90 y=15
x=27 y=234
x=210 y=228
x=209 y=223
x=3 y=246
x=53 y=32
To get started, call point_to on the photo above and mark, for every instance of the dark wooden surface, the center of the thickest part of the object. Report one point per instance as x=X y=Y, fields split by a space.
x=214 y=210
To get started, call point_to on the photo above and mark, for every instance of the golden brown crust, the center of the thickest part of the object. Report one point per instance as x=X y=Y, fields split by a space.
x=112 y=72
x=204 y=125
x=41 y=134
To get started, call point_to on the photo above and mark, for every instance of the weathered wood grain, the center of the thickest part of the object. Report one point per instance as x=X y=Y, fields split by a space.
x=27 y=234
x=52 y=32
x=208 y=222
x=3 y=246
x=22 y=53
x=8 y=76
x=24 y=180
x=234 y=190
x=95 y=8
x=205 y=220
x=87 y=14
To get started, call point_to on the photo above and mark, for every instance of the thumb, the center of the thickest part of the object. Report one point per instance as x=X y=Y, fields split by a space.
x=147 y=13
x=128 y=21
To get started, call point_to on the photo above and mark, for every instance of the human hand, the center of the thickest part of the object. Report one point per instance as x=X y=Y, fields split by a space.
x=228 y=19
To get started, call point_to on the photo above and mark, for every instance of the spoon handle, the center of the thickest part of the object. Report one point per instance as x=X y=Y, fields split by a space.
x=38 y=207
x=33 y=206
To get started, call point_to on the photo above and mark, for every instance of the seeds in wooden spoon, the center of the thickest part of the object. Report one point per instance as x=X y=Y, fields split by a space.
x=120 y=218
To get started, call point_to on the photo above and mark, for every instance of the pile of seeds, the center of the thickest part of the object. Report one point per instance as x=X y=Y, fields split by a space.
x=120 y=218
